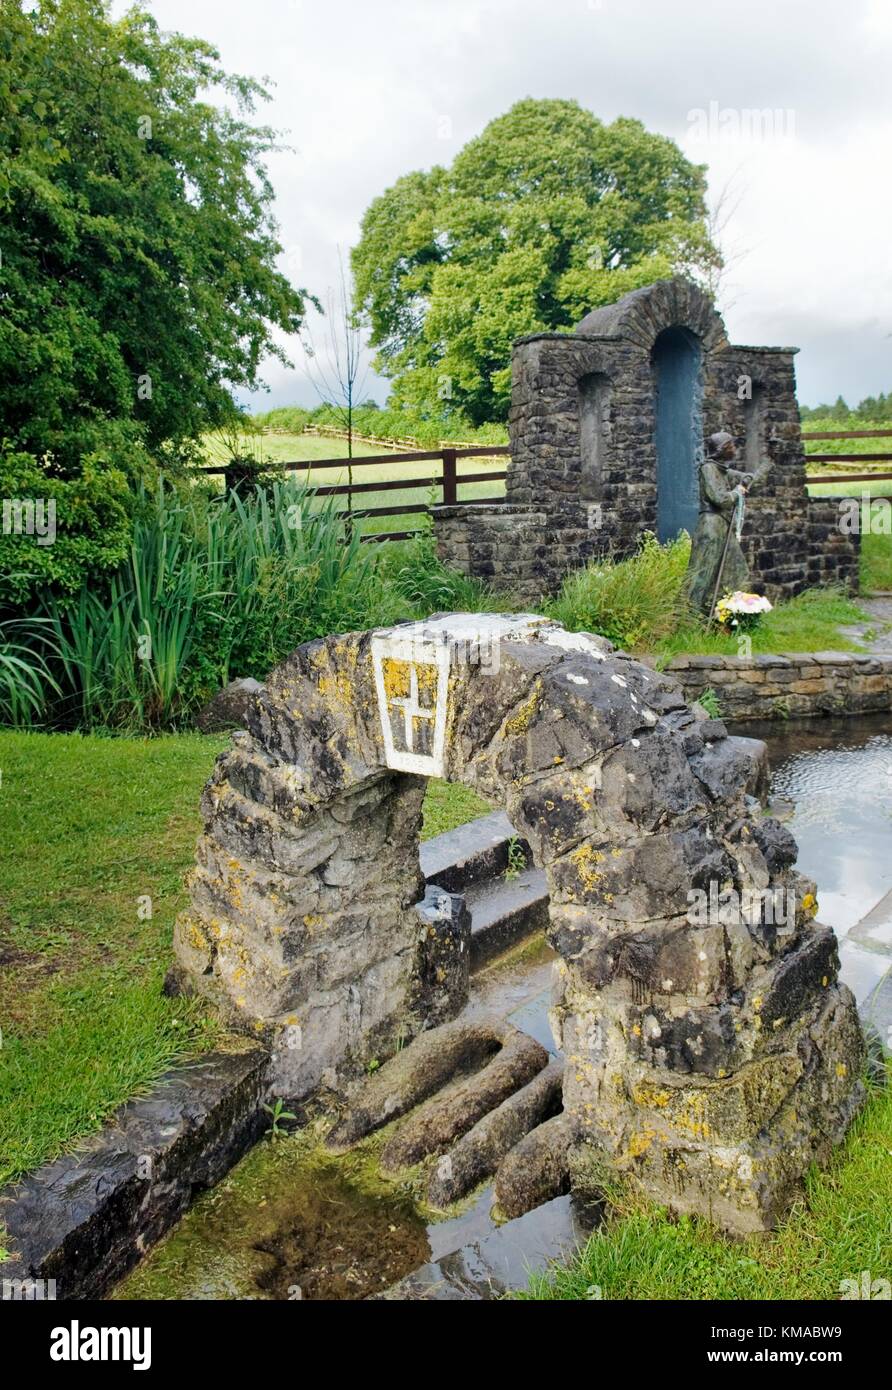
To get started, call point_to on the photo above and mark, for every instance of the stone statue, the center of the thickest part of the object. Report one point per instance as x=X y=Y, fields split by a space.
x=717 y=562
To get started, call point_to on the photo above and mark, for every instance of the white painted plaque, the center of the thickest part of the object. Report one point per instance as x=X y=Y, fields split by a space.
x=412 y=682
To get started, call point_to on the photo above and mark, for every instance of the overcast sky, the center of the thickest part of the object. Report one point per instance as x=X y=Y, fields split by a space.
x=368 y=91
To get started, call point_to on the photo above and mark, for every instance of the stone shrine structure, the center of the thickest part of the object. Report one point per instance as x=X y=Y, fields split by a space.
x=606 y=428
x=711 y=1053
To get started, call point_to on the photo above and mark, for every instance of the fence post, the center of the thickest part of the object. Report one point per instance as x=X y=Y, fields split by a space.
x=450 y=478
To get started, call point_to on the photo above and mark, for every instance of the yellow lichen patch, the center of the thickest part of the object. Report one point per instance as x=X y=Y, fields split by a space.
x=194 y=935
x=585 y=860
x=649 y=1095
x=340 y=685
x=810 y=904
x=427 y=677
x=640 y=1143
x=397 y=678
x=520 y=722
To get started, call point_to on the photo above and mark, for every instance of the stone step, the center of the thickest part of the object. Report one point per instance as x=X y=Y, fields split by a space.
x=470 y=854
x=504 y=911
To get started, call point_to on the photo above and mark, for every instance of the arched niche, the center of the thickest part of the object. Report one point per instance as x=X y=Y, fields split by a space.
x=594 y=433
x=676 y=359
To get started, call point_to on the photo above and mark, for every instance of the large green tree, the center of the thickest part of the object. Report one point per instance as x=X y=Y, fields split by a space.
x=138 y=283
x=545 y=215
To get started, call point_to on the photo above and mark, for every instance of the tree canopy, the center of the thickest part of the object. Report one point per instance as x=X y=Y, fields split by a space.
x=545 y=215
x=138 y=283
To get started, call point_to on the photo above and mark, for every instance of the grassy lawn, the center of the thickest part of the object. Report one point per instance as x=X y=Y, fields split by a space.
x=287 y=448
x=841 y=1226
x=93 y=828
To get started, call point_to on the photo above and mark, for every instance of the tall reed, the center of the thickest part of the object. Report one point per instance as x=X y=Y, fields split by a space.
x=213 y=586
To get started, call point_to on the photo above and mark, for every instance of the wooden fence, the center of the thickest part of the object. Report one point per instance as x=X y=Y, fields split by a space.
x=448 y=479
x=845 y=476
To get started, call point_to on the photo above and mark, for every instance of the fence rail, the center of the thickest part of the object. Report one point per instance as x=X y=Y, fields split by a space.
x=845 y=475
x=448 y=479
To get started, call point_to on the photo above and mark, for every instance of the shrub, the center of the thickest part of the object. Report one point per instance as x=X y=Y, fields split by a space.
x=376 y=422
x=91 y=519
x=292 y=418
x=633 y=602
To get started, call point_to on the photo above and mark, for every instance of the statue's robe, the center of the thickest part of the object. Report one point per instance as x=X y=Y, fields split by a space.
x=717 y=502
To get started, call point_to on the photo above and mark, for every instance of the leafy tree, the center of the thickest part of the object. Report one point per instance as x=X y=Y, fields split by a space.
x=138 y=282
x=545 y=215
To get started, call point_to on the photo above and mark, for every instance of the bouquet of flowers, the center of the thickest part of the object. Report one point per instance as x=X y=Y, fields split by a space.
x=741 y=611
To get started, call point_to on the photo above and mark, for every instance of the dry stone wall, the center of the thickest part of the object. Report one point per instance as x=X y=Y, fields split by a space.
x=795 y=686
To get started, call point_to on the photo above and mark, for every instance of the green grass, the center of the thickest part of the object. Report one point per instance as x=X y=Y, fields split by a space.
x=876 y=562
x=638 y=604
x=447 y=805
x=92 y=825
x=841 y=1226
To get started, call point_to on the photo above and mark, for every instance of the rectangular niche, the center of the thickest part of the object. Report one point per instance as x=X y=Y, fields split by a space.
x=755 y=443
x=594 y=426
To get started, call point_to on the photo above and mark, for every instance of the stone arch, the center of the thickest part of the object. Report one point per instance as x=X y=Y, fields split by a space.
x=641 y=315
x=712 y=1059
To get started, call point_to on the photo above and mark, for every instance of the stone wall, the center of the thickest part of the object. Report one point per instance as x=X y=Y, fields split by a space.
x=582 y=428
x=795 y=686
x=504 y=545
